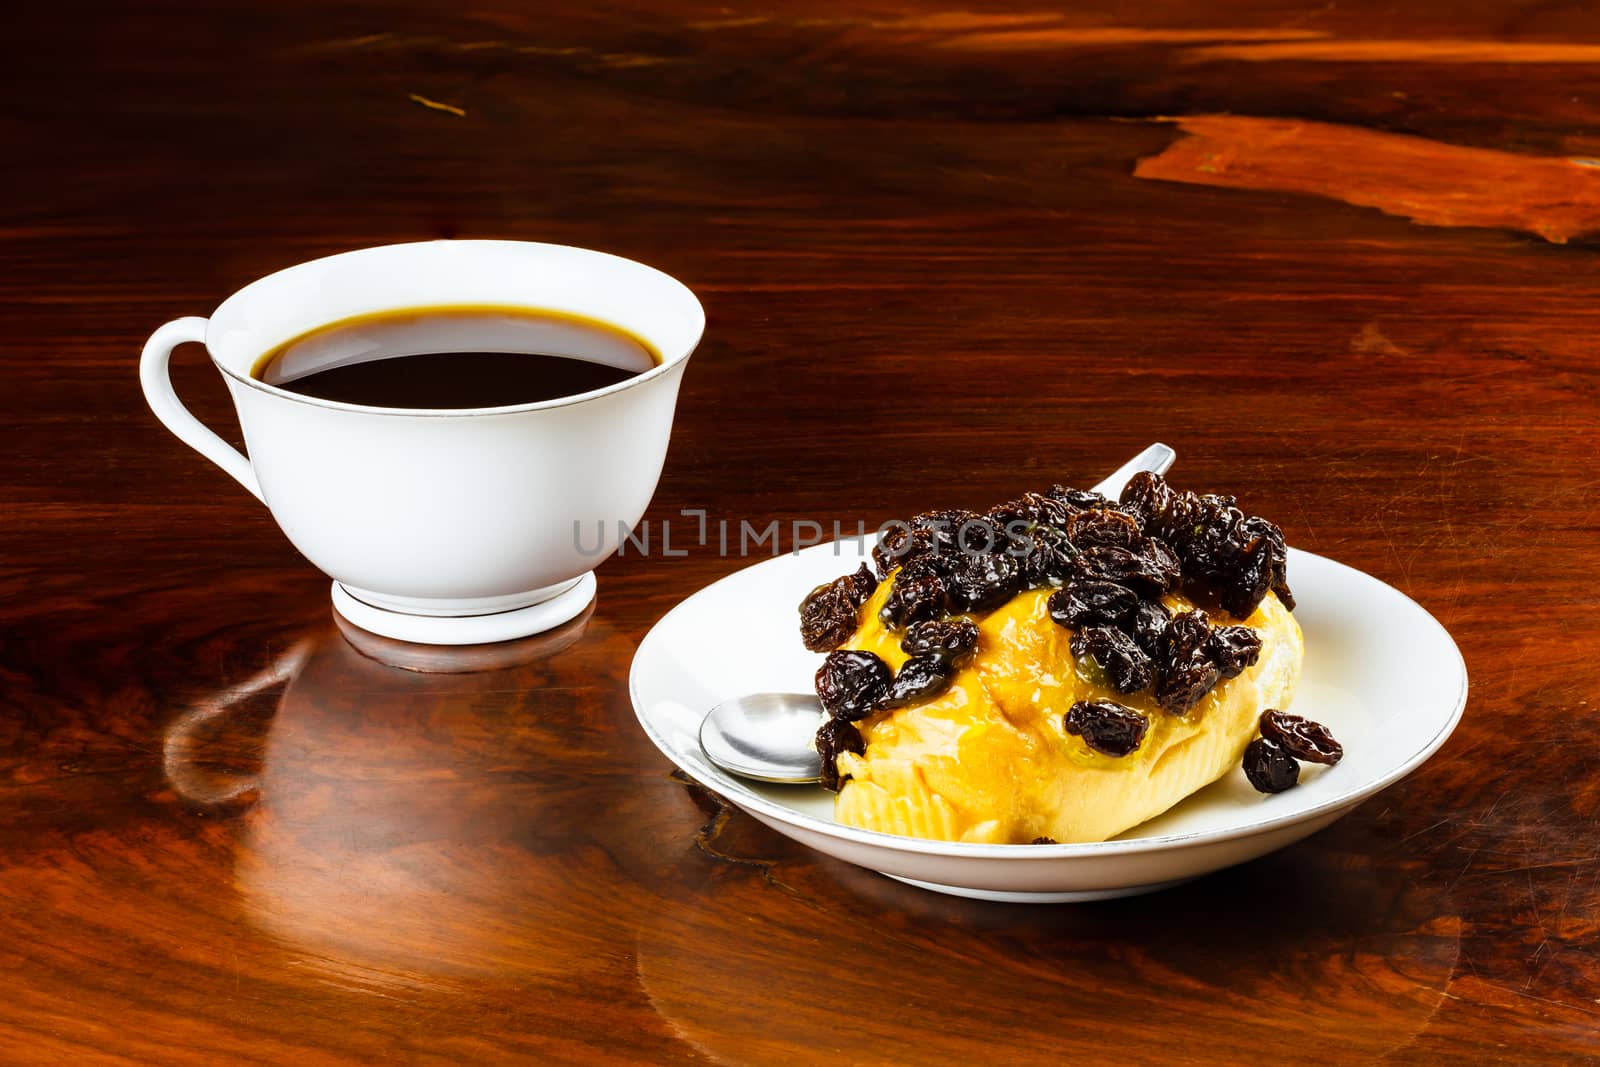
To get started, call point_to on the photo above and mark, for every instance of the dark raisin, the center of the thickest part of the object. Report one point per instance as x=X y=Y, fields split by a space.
x=1187 y=673
x=889 y=548
x=1269 y=768
x=981 y=534
x=1301 y=738
x=1164 y=563
x=983 y=582
x=1181 y=688
x=1185 y=637
x=1141 y=573
x=1147 y=496
x=1013 y=516
x=851 y=683
x=836 y=736
x=1145 y=624
x=1036 y=509
x=1104 y=563
x=1279 y=557
x=1078 y=499
x=827 y=617
x=1107 y=726
x=951 y=639
x=828 y=613
x=1126 y=666
x=1044 y=841
x=923 y=566
x=863 y=583
x=913 y=598
x=1091 y=603
x=920 y=678
x=944 y=527
x=1011 y=530
x=1233 y=648
x=1244 y=581
x=1234 y=557
x=899 y=545
x=945 y=520
x=1045 y=555
x=1103 y=528
x=1254 y=531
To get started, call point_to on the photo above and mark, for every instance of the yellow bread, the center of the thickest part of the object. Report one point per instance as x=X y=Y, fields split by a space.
x=989 y=760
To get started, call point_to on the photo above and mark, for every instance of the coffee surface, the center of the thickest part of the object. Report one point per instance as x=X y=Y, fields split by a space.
x=458 y=380
x=455 y=358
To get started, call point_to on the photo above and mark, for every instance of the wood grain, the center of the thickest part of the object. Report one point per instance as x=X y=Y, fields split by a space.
x=231 y=832
x=1425 y=181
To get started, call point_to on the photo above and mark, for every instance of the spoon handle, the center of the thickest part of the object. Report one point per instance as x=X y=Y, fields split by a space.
x=1156 y=459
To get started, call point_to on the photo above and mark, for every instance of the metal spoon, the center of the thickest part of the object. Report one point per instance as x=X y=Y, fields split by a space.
x=768 y=736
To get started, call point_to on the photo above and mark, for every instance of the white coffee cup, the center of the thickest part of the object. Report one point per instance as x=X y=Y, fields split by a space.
x=445 y=526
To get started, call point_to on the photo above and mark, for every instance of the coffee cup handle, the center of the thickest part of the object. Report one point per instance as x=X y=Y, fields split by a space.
x=156 y=379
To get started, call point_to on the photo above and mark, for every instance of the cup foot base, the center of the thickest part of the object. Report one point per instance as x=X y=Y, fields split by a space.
x=467 y=629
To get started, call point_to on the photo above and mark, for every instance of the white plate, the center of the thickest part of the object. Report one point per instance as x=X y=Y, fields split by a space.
x=1380 y=672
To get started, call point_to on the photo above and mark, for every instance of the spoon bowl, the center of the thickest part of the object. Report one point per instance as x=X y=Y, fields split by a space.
x=766 y=736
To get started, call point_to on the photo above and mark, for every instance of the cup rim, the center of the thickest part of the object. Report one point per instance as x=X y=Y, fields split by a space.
x=669 y=360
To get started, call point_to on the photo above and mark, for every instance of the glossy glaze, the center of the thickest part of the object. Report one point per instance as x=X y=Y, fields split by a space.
x=893 y=215
x=990 y=760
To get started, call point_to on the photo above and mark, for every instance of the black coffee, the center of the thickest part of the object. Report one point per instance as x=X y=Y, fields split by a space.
x=455 y=358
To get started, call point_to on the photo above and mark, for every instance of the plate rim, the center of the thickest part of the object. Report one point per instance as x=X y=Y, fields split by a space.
x=743 y=797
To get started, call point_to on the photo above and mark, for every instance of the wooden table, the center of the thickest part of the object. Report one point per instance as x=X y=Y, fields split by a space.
x=1343 y=257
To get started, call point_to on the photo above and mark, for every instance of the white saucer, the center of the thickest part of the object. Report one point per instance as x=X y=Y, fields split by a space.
x=1379 y=671
x=468 y=629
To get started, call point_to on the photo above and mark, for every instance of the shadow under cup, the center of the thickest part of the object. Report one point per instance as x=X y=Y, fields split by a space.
x=447 y=526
